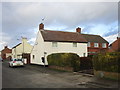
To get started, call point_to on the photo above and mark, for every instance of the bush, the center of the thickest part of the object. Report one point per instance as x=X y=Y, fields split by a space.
x=64 y=60
x=107 y=62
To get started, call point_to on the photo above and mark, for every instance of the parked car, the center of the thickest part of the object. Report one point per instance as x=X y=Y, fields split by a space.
x=16 y=62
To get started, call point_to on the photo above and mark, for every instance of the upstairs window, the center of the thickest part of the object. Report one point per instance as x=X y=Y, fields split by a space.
x=104 y=45
x=54 y=44
x=74 y=44
x=88 y=45
x=96 y=45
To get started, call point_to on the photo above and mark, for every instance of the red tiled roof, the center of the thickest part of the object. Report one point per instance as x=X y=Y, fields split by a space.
x=94 y=38
x=61 y=36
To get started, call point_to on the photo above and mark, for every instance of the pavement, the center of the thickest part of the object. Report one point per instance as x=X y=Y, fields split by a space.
x=35 y=76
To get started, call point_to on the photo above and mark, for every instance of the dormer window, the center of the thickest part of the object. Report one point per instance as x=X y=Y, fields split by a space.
x=54 y=44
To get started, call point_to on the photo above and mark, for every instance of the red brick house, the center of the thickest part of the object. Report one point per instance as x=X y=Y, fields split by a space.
x=6 y=53
x=96 y=43
x=115 y=46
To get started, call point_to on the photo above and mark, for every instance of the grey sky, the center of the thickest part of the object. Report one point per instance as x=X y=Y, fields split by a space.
x=22 y=19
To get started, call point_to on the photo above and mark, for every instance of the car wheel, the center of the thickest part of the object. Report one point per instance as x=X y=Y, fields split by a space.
x=12 y=65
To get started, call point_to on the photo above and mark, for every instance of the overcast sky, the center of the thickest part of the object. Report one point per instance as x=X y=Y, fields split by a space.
x=22 y=19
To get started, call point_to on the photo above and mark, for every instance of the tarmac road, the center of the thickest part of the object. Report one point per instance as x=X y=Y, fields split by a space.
x=34 y=76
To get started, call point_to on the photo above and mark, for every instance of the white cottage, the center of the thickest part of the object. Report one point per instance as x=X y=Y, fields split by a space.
x=48 y=42
x=22 y=50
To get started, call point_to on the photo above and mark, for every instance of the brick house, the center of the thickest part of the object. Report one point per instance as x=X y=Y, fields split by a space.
x=96 y=43
x=6 y=53
x=115 y=46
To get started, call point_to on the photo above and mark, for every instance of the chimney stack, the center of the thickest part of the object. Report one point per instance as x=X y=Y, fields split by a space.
x=5 y=47
x=118 y=37
x=78 y=30
x=41 y=26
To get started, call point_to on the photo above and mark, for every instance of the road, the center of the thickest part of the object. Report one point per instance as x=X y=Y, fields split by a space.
x=34 y=76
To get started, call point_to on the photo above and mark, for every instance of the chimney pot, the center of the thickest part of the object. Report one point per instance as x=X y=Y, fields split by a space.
x=5 y=47
x=41 y=26
x=78 y=30
x=118 y=37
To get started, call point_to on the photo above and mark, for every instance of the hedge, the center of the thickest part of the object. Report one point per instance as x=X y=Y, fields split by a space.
x=64 y=60
x=109 y=62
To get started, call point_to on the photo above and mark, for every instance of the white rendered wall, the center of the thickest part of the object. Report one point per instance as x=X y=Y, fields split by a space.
x=62 y=47
x=25 y=47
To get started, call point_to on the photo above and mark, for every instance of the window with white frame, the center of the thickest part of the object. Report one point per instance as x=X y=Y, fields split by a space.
x=88 y=44
x=104 y=45
x=74 y=44
x=54 y=44
x=96 y=45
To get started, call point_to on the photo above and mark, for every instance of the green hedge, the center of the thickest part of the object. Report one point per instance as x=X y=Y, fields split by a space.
x=64 y=60
x=109 y=62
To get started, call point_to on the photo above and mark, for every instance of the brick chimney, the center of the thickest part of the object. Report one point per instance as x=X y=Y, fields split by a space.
x=118 y=37
x=24 y=40
x=41 y=26
x=78 y=30
x=5 y=47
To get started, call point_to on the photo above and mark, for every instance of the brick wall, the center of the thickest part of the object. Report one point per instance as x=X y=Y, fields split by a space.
x=4 y=52
x=109 y=75
x=97 y=49
x=115 y=46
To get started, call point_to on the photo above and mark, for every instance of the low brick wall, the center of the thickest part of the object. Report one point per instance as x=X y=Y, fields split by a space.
x=61 y=68
x=109 y=75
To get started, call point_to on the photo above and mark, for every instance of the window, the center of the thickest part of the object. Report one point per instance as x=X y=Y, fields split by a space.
x=88 y=45
x=33 y=56
x=54 y=44
x=74 y=44
x=104 y=45
x=96 y=45
x=36 y=43
x=84 y=54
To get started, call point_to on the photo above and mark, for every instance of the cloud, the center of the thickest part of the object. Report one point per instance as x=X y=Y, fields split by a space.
x=111 y=33
x=111 y=38
x=22 y=19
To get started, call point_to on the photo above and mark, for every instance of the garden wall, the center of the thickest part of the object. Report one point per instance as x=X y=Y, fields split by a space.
x=106 y=65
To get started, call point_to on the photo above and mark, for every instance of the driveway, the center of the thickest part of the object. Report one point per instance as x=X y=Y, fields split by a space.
x=34 y=76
